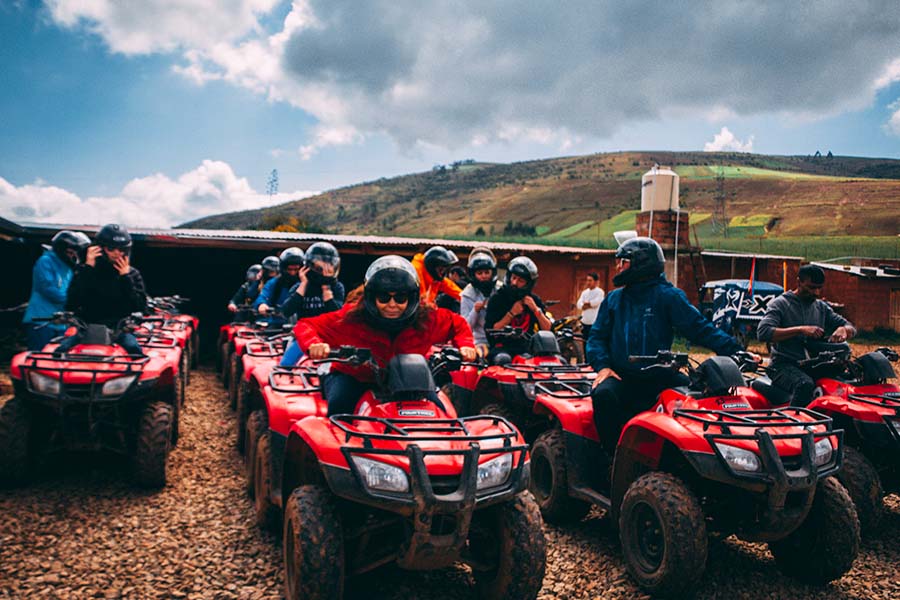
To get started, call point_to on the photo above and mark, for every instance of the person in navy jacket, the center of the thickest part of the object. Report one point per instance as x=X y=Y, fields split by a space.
x=641 y=319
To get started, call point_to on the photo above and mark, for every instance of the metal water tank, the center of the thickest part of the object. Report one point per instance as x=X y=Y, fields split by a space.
x=659 y=189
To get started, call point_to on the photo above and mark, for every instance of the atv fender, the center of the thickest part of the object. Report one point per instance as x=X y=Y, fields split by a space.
x=299 y=464
x=284 y=410
x=575 y=416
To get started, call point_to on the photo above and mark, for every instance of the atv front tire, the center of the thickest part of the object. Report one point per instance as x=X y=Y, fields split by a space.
x=224 y=360
x=508 y=539
x=243 y=414
x=518 y=419
x=825 y=545
x=313 y=546
x=234 y=379
x=15 y=430
x=861 y=479
x=550 y=482
x=663 y=533
x=266 y=512
x=257 y=426
x=154 y=438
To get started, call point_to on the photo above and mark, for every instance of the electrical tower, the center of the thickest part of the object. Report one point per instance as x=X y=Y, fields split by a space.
x=272 y=184
x=720 y=218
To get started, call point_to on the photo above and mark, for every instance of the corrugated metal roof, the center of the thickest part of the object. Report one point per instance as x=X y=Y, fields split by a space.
x=859 y=271
x=284 y=236
x=726 y=254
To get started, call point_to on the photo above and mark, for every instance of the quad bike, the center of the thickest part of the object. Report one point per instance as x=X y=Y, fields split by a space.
x=711 y=457
x=403 y=481
x=93 y=397
x=170 y=307
x=234 y=335
x=856 y=394
x=508 y=388
x=259 y=358
x=268 y=346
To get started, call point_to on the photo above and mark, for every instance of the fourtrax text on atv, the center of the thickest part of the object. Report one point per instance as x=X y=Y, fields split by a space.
x=402 y=480
x=714 y=456
x=94 y=397
x=856 y=394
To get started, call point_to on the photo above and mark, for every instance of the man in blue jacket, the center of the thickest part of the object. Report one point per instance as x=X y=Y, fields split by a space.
x=640 y=319
x=278 y=289
x=50 y=281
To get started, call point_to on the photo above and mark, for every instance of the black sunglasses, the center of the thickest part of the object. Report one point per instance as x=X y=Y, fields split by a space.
x=399 y=297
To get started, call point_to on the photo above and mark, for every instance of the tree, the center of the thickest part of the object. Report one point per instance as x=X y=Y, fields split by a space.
x=272 y=184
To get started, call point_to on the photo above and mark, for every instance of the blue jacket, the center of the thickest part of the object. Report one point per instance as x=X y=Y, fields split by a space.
x=641 y=319
x=49 y=284
x=273 y=294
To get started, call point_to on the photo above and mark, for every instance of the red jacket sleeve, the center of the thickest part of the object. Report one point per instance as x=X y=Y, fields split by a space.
x=312 y=330
x=458 y=328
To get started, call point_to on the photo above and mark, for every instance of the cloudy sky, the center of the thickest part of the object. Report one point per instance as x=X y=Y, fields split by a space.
x=159 y=111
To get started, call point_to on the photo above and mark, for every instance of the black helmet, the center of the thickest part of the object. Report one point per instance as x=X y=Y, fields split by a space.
x=647 y=260
x=436 y=257
x=391 y=274
x=70 y=240
x=113 y=236
x=271 y=264
x=291 y=256
x=525 y=268
x=322 y=252
x=479 y=260
x=254 y=272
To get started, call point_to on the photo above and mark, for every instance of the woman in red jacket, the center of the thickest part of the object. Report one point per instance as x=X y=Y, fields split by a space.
x=389 y=320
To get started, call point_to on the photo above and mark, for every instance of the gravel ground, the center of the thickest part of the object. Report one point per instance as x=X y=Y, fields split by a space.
x=80 y=531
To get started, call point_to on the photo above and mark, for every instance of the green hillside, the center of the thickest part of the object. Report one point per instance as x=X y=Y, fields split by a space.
x=771 y=202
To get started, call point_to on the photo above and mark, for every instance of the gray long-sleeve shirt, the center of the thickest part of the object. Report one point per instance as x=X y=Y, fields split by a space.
x=788 y=310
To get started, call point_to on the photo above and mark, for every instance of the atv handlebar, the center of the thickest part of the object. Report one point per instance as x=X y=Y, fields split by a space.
x=663 y=358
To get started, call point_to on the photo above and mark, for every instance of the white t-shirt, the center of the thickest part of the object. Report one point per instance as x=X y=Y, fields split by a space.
x=594 y=297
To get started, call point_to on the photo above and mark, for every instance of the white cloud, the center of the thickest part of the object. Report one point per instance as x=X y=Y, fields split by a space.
x=450 y=74
x=153 y=201
x=725 y=141
x=893 y=124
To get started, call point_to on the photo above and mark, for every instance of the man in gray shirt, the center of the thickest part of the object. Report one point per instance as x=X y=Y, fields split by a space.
x=791 y=320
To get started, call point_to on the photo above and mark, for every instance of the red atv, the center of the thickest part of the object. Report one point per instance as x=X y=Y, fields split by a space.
x=855 y=393
x=231 y=349
x=714 y=456
x=508 y=389
x=404 y=481
x=94 y=397
x=171 y=307
x=259 y=358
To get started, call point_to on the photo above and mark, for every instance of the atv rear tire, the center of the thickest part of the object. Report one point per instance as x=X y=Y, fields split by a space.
x=234 y=379
x=186 y=361
x=663 y=533
x=266 y=512
x=550 y=482
x=825 y=545
x=861 y=479
x=154 y=438
x=313 y=543
x=15 y=430
x=195 y=349
x=510 y=538
x=257 y=426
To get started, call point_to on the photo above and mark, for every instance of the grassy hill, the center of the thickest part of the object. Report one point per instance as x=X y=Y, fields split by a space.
x=581 y=200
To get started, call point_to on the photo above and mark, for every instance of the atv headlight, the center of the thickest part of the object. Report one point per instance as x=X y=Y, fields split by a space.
x=379 y=476
x=823 y=452
x=117 y=386
x=44 y=385
x=494 y=472
x=528 y=389
x=739 y=459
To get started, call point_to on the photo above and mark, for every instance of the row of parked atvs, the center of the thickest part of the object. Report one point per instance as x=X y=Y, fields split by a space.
x=98 y=397
x=422 y=484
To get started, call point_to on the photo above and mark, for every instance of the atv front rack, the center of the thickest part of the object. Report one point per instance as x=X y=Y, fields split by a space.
x=546 y=368
x=265 y=348
x=294 y=380
x=83 y=391
x=566 y=389
x=411 y=430
x=779 y=474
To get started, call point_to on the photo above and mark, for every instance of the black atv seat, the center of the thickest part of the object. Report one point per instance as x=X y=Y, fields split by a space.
x=96 y=334
x=543 y=343
x=771 y=392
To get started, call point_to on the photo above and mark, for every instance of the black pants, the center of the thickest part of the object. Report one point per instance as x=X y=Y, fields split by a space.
x=795 y=382
x=617 y=401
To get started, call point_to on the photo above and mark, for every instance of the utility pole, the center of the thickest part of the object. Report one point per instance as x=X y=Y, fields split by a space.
x=272 y=184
